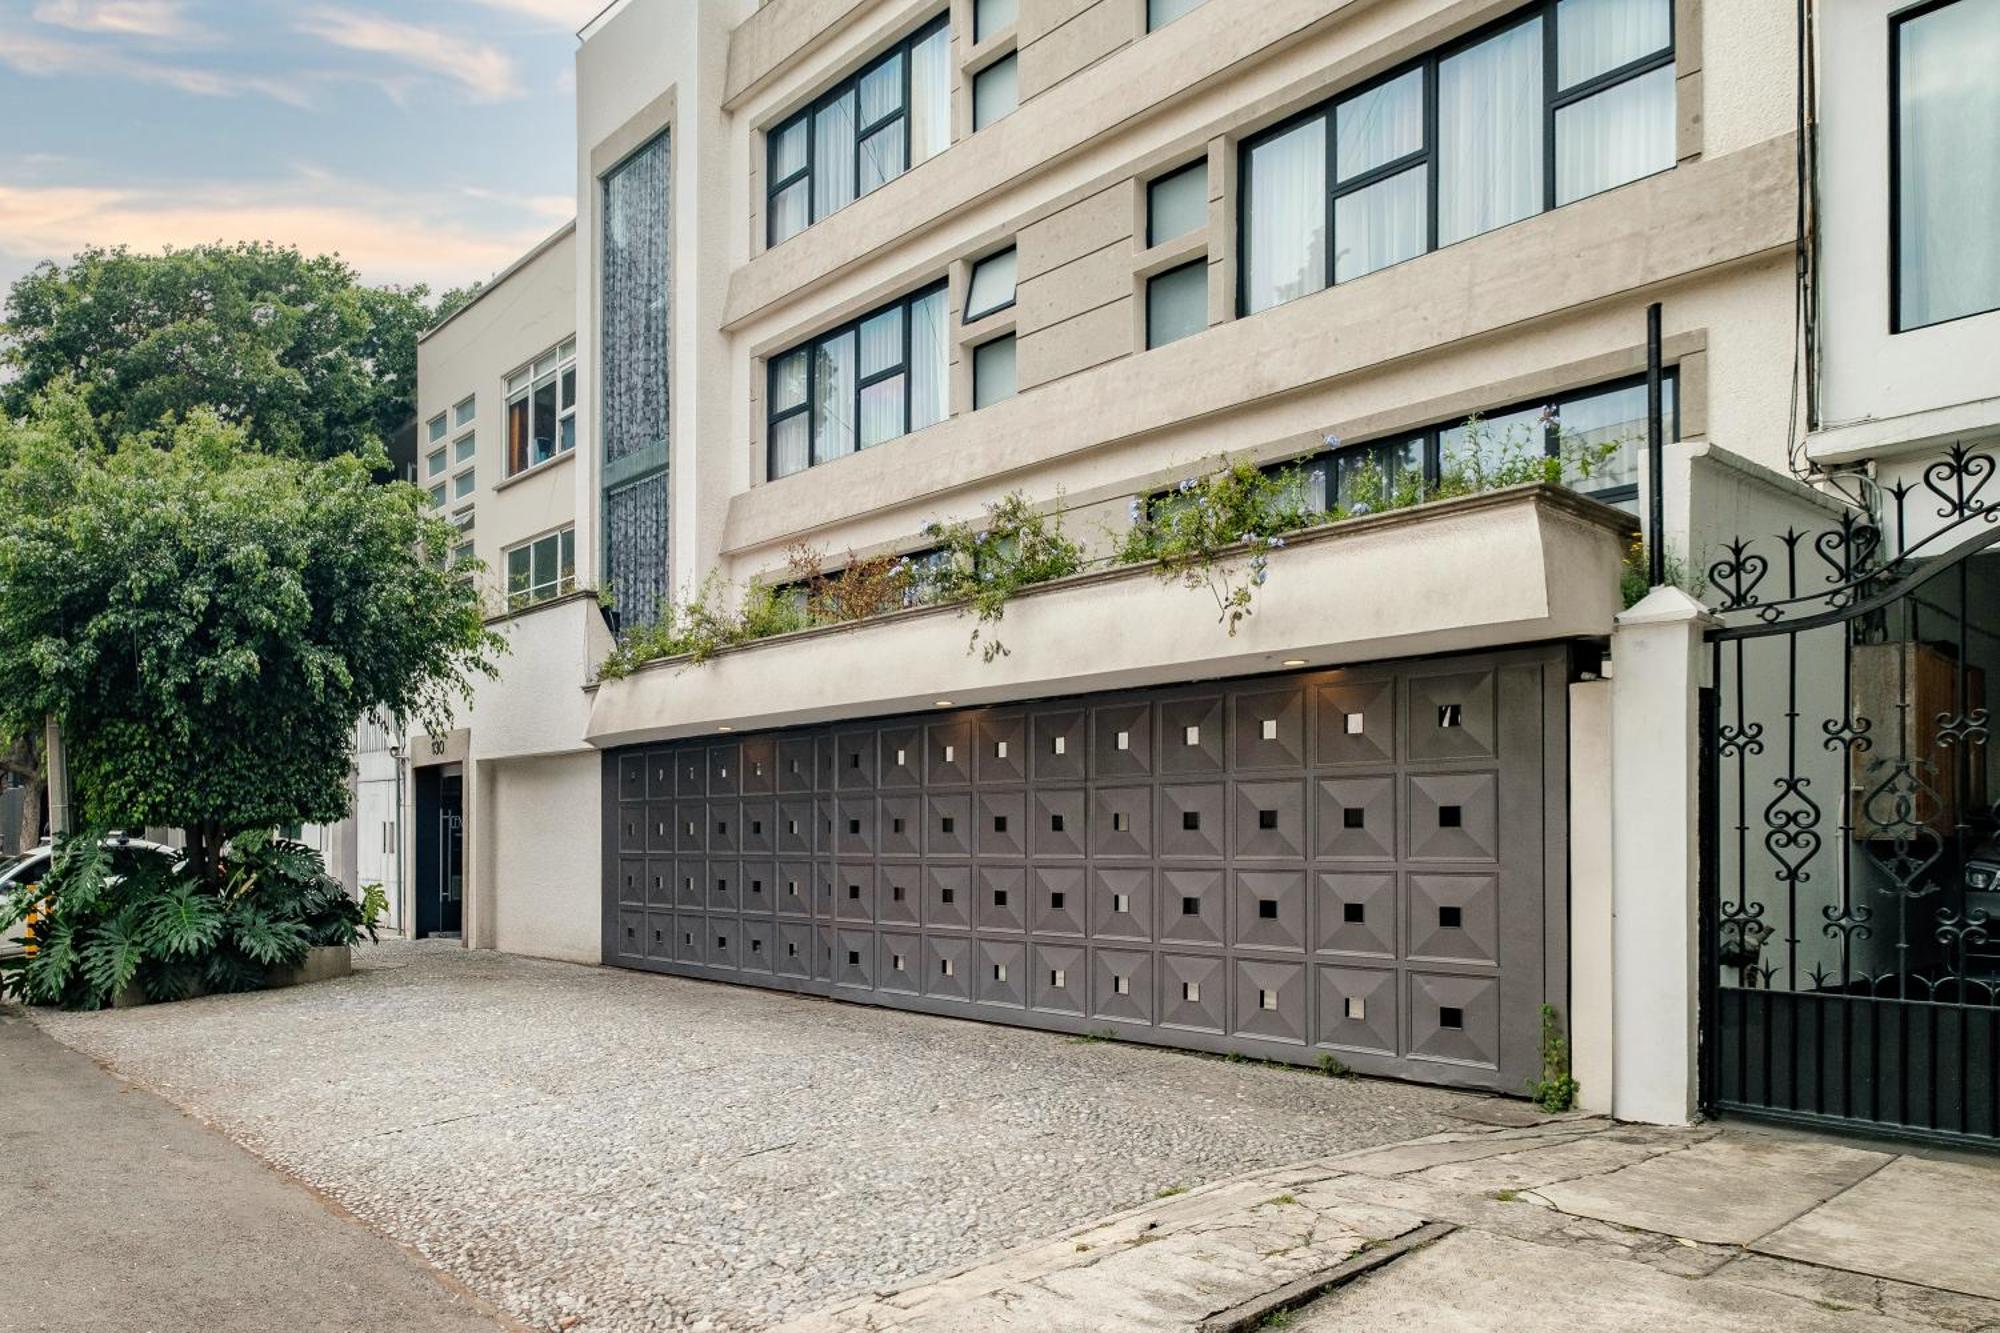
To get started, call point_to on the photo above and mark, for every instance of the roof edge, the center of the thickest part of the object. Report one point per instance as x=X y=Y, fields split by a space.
x=499 y=279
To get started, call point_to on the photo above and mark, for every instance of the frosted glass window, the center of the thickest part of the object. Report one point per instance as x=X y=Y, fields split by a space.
x=1947 y=163
x=1177 y=204
x=994 y=377
x=992 y=286
x=996 y=91
x=1159 y=13
x=1177 y=304
x=991 y=16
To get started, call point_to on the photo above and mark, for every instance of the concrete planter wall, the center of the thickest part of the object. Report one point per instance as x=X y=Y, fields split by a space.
x=324 y=963
x=1528 y=564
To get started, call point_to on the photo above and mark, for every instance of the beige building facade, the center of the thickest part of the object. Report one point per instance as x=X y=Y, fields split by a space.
x=843 y=269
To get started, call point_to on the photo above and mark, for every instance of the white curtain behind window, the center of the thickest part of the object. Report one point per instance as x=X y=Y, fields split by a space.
x=1948 y=187
x=1490 y=134
x=930 y=96
x=1593 y=36
x=1287 y=206
x=1618 y=135
x=930 y=351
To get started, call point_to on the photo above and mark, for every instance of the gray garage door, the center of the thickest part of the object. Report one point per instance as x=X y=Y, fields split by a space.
x=1366 y=862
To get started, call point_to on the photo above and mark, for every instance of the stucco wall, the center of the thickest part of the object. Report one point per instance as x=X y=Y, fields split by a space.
x=525 y=312
x=546 y=815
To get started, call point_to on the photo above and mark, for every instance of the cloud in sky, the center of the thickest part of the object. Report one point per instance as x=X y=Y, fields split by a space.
x=485 y=72
x=52 y=57
x=163 y=19
x=569 y=15
x=377 y=231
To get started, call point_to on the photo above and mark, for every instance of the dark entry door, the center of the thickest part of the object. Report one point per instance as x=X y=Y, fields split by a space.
x=451 y=856
x=1364 y=864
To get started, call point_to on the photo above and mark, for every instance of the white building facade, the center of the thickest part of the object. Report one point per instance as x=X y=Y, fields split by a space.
x=844 y=268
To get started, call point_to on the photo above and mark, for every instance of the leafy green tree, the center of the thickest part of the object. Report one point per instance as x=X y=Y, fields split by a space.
x=292 y=349
x=207 y=622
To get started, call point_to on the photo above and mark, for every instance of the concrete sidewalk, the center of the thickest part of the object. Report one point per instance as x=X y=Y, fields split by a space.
x=1522 y=1224
x=122 y=1213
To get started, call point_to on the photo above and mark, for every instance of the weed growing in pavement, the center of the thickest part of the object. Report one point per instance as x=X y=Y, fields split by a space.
x=1170 y=1191
x=1555 y=1091
x=1332 y=1067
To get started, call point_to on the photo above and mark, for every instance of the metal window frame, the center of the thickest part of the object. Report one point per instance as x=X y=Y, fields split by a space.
x=535 y=592
x=1554 y=99
x=526 y=393
x=1431 y=436
x=851 y=85
x=1152 y=283
x=810 y=348
x=974 y=353
x=972 y=284
x=1011 y=58
x=1153 y=236
x=1895 y=62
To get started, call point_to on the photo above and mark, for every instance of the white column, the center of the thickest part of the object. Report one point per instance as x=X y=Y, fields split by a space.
x=1658 y=669
x=1591 y=1001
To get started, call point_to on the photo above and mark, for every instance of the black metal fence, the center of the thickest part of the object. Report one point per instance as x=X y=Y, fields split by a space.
x=1851 y=932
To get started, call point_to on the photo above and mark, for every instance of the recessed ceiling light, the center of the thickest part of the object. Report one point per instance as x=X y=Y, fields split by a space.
x=945 y=703
x=1295 y=661
x=725 y=727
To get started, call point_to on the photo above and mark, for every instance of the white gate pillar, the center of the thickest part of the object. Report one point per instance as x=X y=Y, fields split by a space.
x=1659 y=667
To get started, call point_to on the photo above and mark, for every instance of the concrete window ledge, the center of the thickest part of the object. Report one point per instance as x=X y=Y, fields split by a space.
x=1523 y=565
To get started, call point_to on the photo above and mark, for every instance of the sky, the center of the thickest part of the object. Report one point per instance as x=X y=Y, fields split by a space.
x=426 y=141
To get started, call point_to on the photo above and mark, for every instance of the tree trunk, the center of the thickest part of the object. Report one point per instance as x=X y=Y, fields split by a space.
x=28 y=831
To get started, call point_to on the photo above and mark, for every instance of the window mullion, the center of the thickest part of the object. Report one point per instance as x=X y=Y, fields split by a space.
x=1332 y=136
x=909 y=358
x=1549 y=77
x=1432 y=156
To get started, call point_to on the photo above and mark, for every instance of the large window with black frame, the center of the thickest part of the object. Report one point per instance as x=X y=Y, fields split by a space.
x=1560 y=100
x=857 y=386
x=1945 y=151
x=1605 y=423
x=861 y=134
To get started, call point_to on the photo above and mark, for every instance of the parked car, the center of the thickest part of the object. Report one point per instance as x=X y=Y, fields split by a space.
x=32 y=865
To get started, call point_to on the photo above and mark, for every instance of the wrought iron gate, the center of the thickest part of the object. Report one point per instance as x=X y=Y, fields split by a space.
x=1851 y=932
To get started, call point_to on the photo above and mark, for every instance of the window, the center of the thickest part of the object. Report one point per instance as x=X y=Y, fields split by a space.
x=991 y=289
x=461 y=553
x=1471 y=137
x=1177 y=204
x=1177 y=303
x=994 y=378
x=991 y=16
x=541 y=409
x=1591 y=420
x=633 y=416
x=461 y=485
x=996 y=91
x=862 y=384
x=434 y=428
x=462 y=414
x=466 y=448
x=434 y=464
x=1944 y=162
x=1159 y=13
x=541 y=569
x=862 y=134
x=437 y=495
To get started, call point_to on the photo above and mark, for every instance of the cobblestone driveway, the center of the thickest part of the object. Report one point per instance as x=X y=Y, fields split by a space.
x=647 y=1153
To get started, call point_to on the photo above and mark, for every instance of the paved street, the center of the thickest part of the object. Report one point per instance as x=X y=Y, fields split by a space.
x=1525 y=1226
x=643 y=1152
x=125 y=1214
